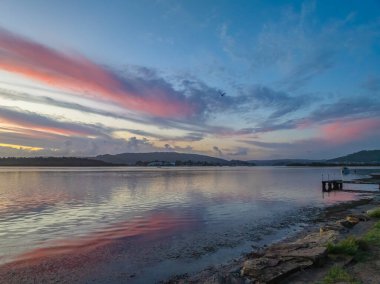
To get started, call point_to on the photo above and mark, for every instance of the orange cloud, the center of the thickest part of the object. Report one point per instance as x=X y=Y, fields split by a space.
x=38 y=62
x=20 y=147
x=347 y=131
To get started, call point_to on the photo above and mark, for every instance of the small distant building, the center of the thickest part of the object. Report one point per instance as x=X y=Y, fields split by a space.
x=161 y=164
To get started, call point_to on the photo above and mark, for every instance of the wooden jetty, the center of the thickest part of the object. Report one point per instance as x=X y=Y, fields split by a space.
x=337 y=184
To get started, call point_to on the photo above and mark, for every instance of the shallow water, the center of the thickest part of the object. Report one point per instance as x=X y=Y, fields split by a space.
x=154 y=221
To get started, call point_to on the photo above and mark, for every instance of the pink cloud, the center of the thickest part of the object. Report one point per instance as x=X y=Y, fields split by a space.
x=340 y=132
x=43 y=64
x=27 y=122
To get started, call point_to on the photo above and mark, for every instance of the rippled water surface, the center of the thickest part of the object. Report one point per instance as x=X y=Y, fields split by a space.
x=163 y=217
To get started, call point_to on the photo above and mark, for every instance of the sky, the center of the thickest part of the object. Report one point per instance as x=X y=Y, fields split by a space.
x=231 y=79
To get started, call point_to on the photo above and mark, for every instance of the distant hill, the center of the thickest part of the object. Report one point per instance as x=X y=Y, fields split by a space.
x=369 y=157
x=171 y=157
x=282 y=162
x=52 y=162
x=125 y=159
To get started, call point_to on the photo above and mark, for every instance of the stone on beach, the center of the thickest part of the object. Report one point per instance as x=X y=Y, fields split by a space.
x=360 y=217
x=281 y=260
x=269 y=270
x=331 y=227
x=352 y=220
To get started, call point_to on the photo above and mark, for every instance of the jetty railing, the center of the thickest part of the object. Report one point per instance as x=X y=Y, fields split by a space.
x=336 y=184
x=330 y=185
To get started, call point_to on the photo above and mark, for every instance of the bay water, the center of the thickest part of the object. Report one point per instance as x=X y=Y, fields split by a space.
x=146 y=224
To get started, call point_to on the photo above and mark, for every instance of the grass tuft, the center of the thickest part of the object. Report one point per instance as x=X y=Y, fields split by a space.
x=337 y=274
x=348 y=246
x=359 y=248
x=372 y=237
x=374 y=213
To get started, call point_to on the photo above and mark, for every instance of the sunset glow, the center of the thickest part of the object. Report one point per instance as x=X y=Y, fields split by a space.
x=20 y=147
x=302 y=82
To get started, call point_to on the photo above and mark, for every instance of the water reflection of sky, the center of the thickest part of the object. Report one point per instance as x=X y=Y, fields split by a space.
x=62 y=208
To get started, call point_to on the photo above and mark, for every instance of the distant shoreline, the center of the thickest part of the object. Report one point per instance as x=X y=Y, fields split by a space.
x=92 y=162
x=174 y=159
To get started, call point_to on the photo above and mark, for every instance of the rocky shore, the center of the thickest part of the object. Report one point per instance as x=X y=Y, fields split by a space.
x=303 y=258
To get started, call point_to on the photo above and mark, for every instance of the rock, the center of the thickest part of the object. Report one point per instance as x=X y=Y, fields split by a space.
x=258 y=264
x=330 y=227
x=352 y=219
x=361 y=217
x=267 y=270
x=316 y=254
x=220 y=278
x=279 y=261
x=346 y=223
x=255 y=254
x=319 y=239
x=215 y=279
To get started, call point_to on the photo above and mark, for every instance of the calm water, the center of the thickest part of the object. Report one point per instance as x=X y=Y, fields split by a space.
x=153 y=222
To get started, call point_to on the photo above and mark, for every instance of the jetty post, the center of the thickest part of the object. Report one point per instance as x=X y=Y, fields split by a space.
x=329 y=185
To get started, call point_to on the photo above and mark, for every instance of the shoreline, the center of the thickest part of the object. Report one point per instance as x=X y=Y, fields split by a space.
x=231 y=272
x=57 y=268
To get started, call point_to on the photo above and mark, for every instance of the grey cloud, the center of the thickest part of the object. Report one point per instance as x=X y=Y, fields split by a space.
x=240 y=151
x=281 y=102
x=351 y=107
x=270 y=145
x=191 y=137
x=170 y=148
x=315 y=64
x=296 y=46
x=32 y=139
x=345 y=108
x=314 y=148
x=79 y=146
x=372 y=84
x=217 y=150
x=246 y=100
x=111 y=146
x=21 y=96
x=29 y=119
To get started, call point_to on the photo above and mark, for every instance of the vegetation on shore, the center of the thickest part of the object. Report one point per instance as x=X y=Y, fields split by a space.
x=326 y=164
x=337 y=274
x=52 y=162
x=350 y=246
x=364 y=250
x=92 y=162
x=374 y=213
